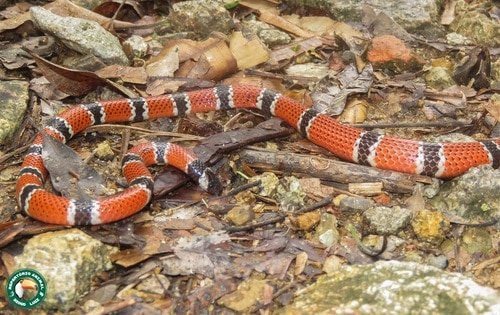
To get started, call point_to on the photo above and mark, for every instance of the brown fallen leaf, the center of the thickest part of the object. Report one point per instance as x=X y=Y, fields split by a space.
x=213 y=63
x=128 y=257
x=296 y=48
x=493 y=108
x=277 y=265
x=72 y=82
x=203 y=297
x=210 y=59
x=448 y=14
x=198 y=254
x=134 y=75
x=232 y=140
x=249 y=52
x=69 y=175
x=127 y=8
x=285 y=25
x=76 y=82
x=474 y=69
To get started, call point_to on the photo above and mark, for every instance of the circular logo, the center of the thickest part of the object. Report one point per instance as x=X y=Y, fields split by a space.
x=26 y=288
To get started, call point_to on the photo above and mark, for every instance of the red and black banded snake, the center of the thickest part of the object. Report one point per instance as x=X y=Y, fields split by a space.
x=441 y=160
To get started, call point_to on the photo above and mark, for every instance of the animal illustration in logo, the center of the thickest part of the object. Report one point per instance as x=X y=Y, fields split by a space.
x=23 y=285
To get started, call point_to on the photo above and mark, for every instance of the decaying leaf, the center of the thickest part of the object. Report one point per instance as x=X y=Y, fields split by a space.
x=69 y=175
x=284 y=24
x=198 y=254
x=165 y=66
x=355 y=111
x=72 y=82
x=134 y=75
x=494 y=109
x=474 y=69
x=210 y=59
x=448 y=14
x=331 y=93
x=247 y=52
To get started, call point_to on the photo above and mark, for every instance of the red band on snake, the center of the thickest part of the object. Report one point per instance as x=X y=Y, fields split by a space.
x=441 y=160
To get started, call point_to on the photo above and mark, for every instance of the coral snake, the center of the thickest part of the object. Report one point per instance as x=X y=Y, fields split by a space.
x=441 y=160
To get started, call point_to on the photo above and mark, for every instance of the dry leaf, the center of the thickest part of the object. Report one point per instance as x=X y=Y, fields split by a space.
x=166 y=66
x=134 y=75
x=448 y=14
x=248 y=52
x=72 y=82
x=69 y=175
x=283 y=24
x=494 y=109
x=210 y=59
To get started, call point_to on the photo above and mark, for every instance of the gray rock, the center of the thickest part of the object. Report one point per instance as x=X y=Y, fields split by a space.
x=355 y=204
x=68 y=260
x=477 y=27
x=290 y=193
x=419 y=17
x=12 y=108
x=83 y=36
x=439 y=78
x=326 y=232
x=385 y=220
x=473 y=196
x=439 y=261
x=200 y=17
x=393 y=287
x=270 y=35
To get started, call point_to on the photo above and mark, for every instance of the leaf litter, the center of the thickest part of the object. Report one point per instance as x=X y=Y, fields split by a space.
x=192 y=250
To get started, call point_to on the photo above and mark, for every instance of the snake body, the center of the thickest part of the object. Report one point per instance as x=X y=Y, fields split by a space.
x=442 y=160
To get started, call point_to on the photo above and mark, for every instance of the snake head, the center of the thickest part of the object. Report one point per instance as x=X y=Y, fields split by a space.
x=210 y=182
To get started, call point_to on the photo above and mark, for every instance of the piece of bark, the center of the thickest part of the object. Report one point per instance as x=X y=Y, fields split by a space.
x=229 y=141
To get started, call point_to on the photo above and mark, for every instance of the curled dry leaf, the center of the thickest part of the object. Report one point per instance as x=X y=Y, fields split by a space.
x=331 y=93
x=448 y=14
x=210 y=59
x=494 y=109
x=300 y=263
x=355 y=111
x=134 y=75
x=282 y=23
x=165 y=66
x=110 y=8
x=474 y=69
x=248 y=52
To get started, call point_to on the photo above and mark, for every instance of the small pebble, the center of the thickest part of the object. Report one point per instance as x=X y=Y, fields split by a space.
x=430 y=226
x=241 y=215
x=354 y=204
x=104 y=151
x=307 y=221
x=385 y=220
x=440 y=261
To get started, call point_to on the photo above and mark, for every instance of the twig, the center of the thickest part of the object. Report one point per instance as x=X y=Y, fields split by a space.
x=279 y=218
x=364 y=249
x=149 y=132
x=244 y=187
x=7 y=156
x=322 y=203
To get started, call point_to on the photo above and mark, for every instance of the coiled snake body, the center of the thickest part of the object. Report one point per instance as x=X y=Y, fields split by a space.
x=352 y=144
